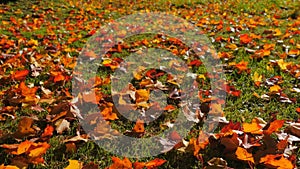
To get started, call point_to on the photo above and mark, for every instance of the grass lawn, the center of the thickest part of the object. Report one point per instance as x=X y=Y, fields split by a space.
x=258 y=43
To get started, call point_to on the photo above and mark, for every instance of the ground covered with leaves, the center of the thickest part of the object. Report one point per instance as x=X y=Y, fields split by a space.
x=257 y=41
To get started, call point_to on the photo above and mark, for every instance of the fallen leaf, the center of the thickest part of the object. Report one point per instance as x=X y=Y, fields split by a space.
x=139 y=127
x=274 y=126
x=20 y=75
x=242 y=154
x=245 y=39
x=118 y=163
x=254 y=127
x=276 y=161
x=8 y=167
x=48 y=132
x=150 y=164
x=74 y=164
x=275 y=88
x=62 y=125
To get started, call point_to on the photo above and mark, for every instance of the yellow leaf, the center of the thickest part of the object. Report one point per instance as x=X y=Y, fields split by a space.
x=277 y=32
x=106 y=61
x=257 y=77
x=283 y=65
x=252 y=127
x=32 y=42
x=74 y=164
x=142 y=95
x=202 y=76
x=242 y=154
x=231 y=46
x=275 y=88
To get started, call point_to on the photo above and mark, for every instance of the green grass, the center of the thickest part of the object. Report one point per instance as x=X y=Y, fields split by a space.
x=237 y=109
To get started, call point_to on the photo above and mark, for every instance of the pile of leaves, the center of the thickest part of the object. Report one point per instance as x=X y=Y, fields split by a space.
x=259 y=48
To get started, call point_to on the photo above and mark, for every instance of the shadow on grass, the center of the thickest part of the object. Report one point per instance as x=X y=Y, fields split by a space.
x=7 y=1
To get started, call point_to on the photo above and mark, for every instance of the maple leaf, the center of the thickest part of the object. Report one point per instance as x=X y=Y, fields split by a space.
x=20 y=75
x=108 y=114
x=8 y=167
x=274 y=126
x=139 y=127
x=276 y=161
x=32 y=42
x=196 y=63
x=245 y=39
x=254 y=127
x=48 y=132
x=150 y=164
x=242 y=154
x=275 y=88
x=257 y=79
x=24 y=127
x=142 y=95
x=118 y=163
x=242 y=66
x=74 y=164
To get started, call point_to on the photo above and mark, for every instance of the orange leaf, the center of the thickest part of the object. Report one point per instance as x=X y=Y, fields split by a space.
x=242 y=66
x=298 y=110
x=26 y=91
x=39 y=150
x=155 y=163
x=48 y=131
x=8 y=167
x=169 y=108
x=294 y=52
x=20 y=75
x=59 y=77
x=277 y=161
x=108 y=114
x=274 y=126
x=149 y=165
x=37 y=160
x=23 y=147
x=253 y=127
x=269 y=46
x=118 y=163
x=71 y=40
x=242 y=154
x=245 y=39
x=139 y=127
x=200 y=143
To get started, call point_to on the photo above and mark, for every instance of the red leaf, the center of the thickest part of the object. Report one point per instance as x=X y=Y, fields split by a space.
x=48 y=131
x=195 y=63
x=245 y=39
x=20 y=75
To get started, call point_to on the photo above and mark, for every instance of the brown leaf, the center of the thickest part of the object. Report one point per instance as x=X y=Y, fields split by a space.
x=24 y=127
